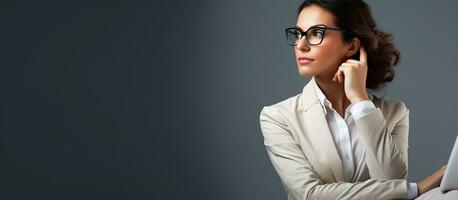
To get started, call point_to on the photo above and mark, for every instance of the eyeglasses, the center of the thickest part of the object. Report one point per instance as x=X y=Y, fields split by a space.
x=314 y=35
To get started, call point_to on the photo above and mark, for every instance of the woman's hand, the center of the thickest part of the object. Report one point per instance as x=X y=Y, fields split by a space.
x=353 y=74
x=431 y=182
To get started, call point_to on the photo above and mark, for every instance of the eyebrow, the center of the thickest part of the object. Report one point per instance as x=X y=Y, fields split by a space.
x=311 y=26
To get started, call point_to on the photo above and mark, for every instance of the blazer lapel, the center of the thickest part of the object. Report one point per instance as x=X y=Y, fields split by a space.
x=317 y=131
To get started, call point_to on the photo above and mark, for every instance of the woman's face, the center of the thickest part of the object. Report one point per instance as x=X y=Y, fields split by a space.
x=327 y=56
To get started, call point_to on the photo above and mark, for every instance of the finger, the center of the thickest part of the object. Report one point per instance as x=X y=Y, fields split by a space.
x=335 y=75
x=362 y=54
x=346 y=65
x=443 y=168
x=334 y=78
x=340 y=71
x=340 y=75
x=352 y=61
x=346 y=68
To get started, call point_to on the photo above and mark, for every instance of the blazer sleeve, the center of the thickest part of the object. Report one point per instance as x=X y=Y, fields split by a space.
x=299 y=177
x=386 y=151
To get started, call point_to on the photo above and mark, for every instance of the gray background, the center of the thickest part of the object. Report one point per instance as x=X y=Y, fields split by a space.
x=161 y=100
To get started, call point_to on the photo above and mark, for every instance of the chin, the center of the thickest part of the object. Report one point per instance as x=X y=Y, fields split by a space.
x=306 y=71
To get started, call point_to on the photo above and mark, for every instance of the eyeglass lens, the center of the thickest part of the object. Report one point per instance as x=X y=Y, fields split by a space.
x=313 y=35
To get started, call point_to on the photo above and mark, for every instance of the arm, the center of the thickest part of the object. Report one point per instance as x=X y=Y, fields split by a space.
x=300 y=178
x=386 y=152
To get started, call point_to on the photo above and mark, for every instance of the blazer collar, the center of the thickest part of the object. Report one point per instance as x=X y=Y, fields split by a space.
x=309 y=97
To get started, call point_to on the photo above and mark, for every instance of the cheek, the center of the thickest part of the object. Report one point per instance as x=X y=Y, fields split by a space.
x=329 y=55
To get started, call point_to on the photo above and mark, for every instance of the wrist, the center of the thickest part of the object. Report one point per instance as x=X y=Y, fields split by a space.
x=358 y=99
x=420 y=192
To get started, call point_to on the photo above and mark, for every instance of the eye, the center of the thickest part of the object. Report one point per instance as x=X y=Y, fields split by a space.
x=317 y=32
x=294 y=32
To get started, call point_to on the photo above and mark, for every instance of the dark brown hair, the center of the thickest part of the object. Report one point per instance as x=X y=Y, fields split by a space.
x=356 y=16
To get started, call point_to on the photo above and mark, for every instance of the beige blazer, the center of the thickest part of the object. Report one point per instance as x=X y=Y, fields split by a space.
x=302 y=150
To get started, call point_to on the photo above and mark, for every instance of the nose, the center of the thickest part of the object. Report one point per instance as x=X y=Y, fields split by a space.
x=303 y=45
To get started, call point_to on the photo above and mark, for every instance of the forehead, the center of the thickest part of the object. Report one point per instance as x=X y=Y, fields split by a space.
x=313 y=15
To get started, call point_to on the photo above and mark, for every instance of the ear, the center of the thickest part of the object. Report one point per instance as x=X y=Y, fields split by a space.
x=353 y=47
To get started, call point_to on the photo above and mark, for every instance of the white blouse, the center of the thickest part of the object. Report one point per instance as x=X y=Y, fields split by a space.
x=349 y=147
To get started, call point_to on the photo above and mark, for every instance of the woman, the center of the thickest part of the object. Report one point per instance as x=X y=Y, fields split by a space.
x=334 y=140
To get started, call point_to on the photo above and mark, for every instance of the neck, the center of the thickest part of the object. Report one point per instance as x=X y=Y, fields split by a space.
x=334 y=92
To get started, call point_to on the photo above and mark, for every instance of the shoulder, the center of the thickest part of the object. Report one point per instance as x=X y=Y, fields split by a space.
x=390 y=107
x=283 y=107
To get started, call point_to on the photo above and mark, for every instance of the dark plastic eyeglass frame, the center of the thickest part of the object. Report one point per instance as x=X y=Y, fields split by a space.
x=304 y=33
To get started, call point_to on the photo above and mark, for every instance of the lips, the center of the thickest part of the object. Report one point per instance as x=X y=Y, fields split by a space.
x=304 y=60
